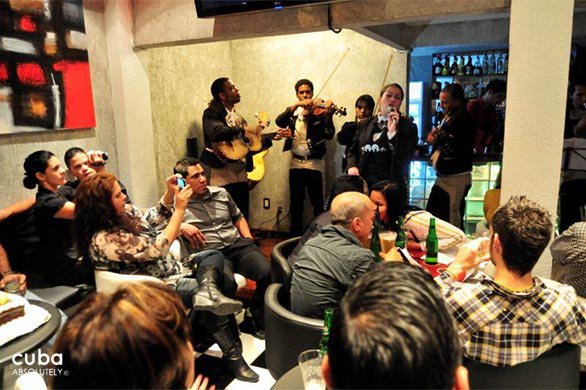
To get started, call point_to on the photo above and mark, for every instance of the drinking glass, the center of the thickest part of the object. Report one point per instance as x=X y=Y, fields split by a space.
x=310 y=365
x=387 y=240
x=11 y=281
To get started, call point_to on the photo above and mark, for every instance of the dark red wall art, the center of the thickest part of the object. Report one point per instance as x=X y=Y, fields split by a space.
x=44 y=69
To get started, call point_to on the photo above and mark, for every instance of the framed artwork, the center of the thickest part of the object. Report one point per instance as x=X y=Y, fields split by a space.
x=45 y=79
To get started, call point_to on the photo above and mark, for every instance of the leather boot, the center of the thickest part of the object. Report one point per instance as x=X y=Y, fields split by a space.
x=209 y=297
x=235 y=331
x=233 y=355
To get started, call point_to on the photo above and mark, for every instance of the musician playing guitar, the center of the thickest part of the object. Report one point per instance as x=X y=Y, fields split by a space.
x=221 y=123
x=308 y=147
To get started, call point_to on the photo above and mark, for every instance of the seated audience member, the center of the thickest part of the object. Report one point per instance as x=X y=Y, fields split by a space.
x=391 y=200
x=120 y=238
x=328 y=263
x=84 y=165
x=513 y=317
x=393 y=331
x=568 y=251
x=154 y=353
x=213 y=221
x=344 y=183
x=53 y=214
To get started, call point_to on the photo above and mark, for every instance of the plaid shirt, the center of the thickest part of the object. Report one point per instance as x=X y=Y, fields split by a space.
x=501 y=327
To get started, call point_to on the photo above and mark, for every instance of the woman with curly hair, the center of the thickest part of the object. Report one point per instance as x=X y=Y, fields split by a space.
x=121 y=238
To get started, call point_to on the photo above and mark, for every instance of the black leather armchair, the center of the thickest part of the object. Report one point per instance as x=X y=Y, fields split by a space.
x=286 y=334
x=281 y=271
x=558 y=368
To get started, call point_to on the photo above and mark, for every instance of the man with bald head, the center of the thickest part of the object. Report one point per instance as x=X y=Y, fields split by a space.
x=328 y=263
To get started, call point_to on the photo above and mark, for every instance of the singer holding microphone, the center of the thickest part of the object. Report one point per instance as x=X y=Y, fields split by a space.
x=384 y=144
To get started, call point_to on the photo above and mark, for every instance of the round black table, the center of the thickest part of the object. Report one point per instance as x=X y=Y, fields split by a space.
x=34 y=339
x=291 y=380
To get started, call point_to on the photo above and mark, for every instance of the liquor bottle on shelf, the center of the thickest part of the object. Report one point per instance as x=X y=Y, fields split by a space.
x=454 y=67
x=506 y=64
x=437 y=65
x=477 y=70
x=460 y=71
x=431 y=243
x=435 y=89
x=374 y=238
x=446 y=66
x=484 y=64
x=491 y=64
x=500 y=64
x=325 y=333
x=468 y=68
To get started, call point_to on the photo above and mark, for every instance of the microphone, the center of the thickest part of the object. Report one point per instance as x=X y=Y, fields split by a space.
x=389 y=110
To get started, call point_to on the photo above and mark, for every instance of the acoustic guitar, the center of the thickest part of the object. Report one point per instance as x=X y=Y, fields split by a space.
x=250 y=141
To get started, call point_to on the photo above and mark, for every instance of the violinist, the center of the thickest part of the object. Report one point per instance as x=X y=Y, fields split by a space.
x=452 y=155
x=311 y=126
x=364 y=107
x=384 y=145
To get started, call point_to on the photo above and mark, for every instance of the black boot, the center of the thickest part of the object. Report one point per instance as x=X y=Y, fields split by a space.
x=209 y=297
x=250 y=325
x=233 y=355
x=235 y=331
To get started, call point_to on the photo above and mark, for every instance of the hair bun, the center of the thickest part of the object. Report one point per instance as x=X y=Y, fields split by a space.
x=29 y=182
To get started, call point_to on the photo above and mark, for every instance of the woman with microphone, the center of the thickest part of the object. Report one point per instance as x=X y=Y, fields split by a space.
x=384 y=145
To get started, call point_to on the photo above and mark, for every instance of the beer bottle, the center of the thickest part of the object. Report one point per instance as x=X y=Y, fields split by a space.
x=325 y=333
x=374 y=239
x=431 y=243
x=401 y=241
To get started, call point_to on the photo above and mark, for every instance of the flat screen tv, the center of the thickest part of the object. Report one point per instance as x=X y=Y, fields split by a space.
x=213 y=8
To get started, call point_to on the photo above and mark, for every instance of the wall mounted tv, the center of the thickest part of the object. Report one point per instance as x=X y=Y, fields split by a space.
x=213 y=8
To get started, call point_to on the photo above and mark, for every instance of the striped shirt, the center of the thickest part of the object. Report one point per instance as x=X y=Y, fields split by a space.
x=501 y=327
x=417 y=222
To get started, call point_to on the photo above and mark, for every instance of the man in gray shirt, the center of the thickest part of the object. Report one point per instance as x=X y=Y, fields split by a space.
x=213 y=221
x=328 y=263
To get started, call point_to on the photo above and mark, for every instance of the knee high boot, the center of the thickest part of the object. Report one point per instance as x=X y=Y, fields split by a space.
x=208 y=297
x=219 y=328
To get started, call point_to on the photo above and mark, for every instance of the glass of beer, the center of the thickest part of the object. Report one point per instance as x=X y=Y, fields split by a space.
x=387 y=240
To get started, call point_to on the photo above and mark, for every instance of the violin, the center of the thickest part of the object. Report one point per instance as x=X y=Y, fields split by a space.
x=320 y=106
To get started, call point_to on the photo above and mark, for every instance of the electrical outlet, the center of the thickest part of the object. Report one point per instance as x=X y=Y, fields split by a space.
x=266 y=203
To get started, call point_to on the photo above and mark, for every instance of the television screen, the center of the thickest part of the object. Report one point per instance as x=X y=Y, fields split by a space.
x=213 y=8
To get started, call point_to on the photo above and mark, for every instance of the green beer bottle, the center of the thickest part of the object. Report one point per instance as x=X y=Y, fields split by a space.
x=375 y=239
x=401 y=241
x=325 y=334
x=431 y=243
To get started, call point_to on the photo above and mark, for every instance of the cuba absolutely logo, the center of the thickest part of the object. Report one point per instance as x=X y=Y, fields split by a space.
x=39 y=362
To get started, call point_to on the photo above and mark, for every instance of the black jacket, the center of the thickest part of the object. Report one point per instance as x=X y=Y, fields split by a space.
x=456 y=144
x=403 y=148
x=215 y=129
x=319 y=129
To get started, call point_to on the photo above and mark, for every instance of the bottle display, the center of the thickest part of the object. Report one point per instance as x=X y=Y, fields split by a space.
x=401 y=241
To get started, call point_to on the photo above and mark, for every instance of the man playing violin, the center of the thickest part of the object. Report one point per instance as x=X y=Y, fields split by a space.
x=310 y=130
x=384 y=144
x=221 y=122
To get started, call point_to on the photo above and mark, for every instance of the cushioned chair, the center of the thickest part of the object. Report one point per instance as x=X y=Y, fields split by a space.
x=108 y=282
x=558 y=368
x=286 y=334
x=281 y=271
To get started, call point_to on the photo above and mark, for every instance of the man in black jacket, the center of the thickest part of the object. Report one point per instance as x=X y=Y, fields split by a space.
x=221 y=122
x=452 y=155
x=308 y=147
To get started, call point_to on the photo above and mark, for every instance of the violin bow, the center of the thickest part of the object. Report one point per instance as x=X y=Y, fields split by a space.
x=332 y=73
x=376 y=107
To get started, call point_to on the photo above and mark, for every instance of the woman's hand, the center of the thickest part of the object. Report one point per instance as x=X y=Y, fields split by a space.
x=182 y=197
x=394 y=117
